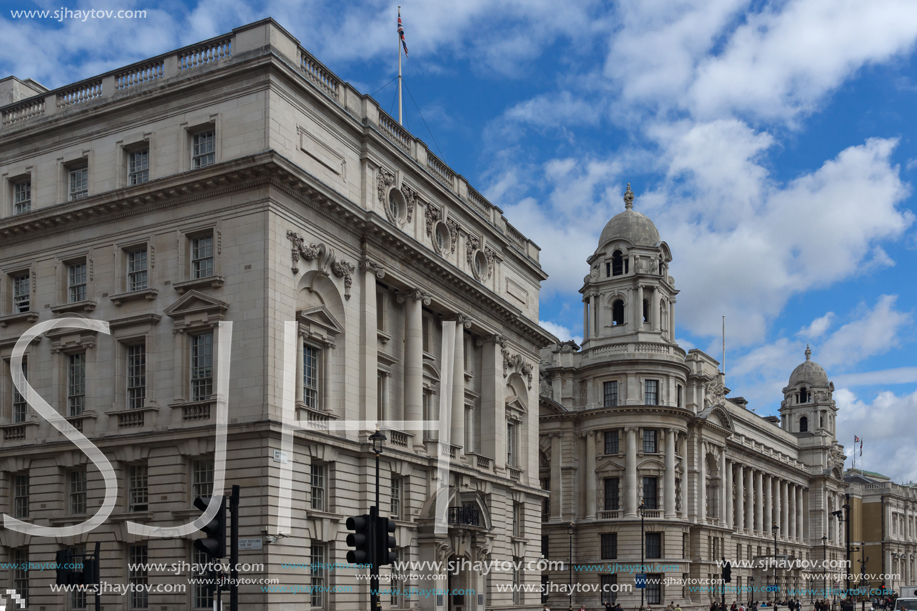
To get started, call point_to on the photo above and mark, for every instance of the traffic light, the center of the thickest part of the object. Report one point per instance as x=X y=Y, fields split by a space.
x=727 y=572
x=214 y=545
x=360 y=540
x=64 y=558
x=386 y=542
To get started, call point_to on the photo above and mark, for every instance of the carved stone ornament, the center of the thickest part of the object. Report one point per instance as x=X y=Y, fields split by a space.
x=568 y=346
x=453 y=233
x=384 y=180
x=714 y=394
x=545 y=388
x=432 y=214
x=415 y=294
x=515 y=363
x=327 y=261
x=372 y=266
x=471 y=245
x=411 y=197
x=490 y=255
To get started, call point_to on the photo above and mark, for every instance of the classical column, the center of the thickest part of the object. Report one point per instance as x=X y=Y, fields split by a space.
x=556 y=477
x=784 y=510
x=672 y=319
x=638 y=308
x=596 y=316
x=413 y=357
x=740 y=498
x=585 y=318
x=669 y=477
x=727 y=501
x=299 y=368
x=721 y=508
x=749 y=499
x=369 y=326
x=768 y=504
x=458 y=385
x=630 y=474
x=702 y=485
x=800 y=514
x=791 y=501
x=778 y=498
x=759 y=497
x=327 y=369
x=590 y=475
x=654 y=310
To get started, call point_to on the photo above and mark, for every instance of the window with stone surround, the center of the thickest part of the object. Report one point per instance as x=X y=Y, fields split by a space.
x=649 y=441
x=609 y=546
x=138 y=167
x=137 y=488
x=138 y=576
x=612 y=494
x=609 y=591
x=612 y=442
x=319 y=486
x=22 y=197
x=610 y=395
x=202 y=478
x=654 y=545
x=317 y=560
x=76 y=384
x=396 y=491
x=76 y=482
x=136 y=375
x=511 y=457
x=19 y=557
x=20 y=495
x=21 y=283
x=311 y=371
x=201 y=366
x=203 y=149
x=654 y=587
x=76 y=281
x=202 y=595
x=137 y=272
x=651 y=492
x=20 y=407
x=201 y=257
x=78 y=183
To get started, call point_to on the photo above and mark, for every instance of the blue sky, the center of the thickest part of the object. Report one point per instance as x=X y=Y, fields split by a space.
x=773 y=143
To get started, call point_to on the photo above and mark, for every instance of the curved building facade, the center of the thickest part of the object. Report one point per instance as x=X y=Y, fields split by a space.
x=639 y=435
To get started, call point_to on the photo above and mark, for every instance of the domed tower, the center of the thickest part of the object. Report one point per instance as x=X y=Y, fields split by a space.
x=628 y=295
x=808 y=406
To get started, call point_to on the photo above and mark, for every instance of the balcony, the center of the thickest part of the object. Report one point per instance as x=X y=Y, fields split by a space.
x=469 y=515
x=612 y=514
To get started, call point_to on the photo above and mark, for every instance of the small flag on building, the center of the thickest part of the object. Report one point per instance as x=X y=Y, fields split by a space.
x=401 y=33
x=861 y=448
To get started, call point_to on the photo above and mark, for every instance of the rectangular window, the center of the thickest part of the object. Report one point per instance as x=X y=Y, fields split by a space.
x=654 y=545
x=138 y=167
x=469 y=430
x=612 y=498
x=380 y=396
x=203 y=596
x=21 y=496
x=201 y=367
x=654 y=589
x=202 y=153
x=609 y=546
x=21 y=301
x=77 y=492
x=609 y=591
x=22 y=197
x=136 y=376
x=137 y=489
x=650 y=392
x=20 y=558
x=137 y=270
x=202 y=257
x=310 y=361
x=678 y=395
x=79 y=183
x=317 y=562
x=518 y=517
x=380 y=311
x=76 y=282
x=612 y=442
x=318 y=487
x=76 y=384
x=20 y=407
x=611 y=394
x=396 y=497
x=649 y=441
x=202 y=478
x=545 y=545
x=77 y=597
x=137 y=576
x=510 y=444
x=650 y=497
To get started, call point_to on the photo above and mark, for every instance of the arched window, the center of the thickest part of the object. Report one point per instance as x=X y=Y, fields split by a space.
x=646 y=310
x=803 y=395
x=617 y=263
x=617 y=313
x=821 y=419
x=803 y=424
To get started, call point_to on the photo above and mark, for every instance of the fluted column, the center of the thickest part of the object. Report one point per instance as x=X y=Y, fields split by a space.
x=791 y=498
x=413 y=357
x=654 y=311
x=669 y=477
x=458 y=385
x=740 y=497
x=778 y=507
x=702 y=485
x=721 y=504
x=759 y=506
x=727 y=501
x=369 y=326
x=768 y=503
x=784 y=510
x=630 y=474
x=638 y=308
x=800 y=514
x=749 y=499
x=590 y=475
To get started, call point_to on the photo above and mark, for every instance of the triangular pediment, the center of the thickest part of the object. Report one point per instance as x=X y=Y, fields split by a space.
x=322 y=317
x=194 y=302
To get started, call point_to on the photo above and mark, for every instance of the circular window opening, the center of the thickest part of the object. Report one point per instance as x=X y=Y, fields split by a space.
x=480 y=265
x=443 y=237
x=396 y=204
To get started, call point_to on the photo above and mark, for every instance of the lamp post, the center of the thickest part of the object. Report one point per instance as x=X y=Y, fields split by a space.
x=377 y=439
x=824 y=565
x=776 y=529
x=570 y=576
x=895 y=566
x=751 y=589
x=642 y=509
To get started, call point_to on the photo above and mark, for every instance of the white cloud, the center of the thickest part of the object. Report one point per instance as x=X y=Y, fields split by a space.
x=560 y=332
x=885 y=377
x=877 y=331
x=818 y=327
x=885 y=425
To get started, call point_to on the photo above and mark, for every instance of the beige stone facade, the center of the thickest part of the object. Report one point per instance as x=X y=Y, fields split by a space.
x=238 y=180
x=630 y=419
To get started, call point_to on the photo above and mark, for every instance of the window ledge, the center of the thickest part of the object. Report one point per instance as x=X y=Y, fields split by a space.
x=136 y=410
x=67 y=520
x=383 y=336
x=77 y=306
x=11 y=425
x=29 y=316
x=210 y=281
x=149 y=294
x=135 y=516
x=87 y=415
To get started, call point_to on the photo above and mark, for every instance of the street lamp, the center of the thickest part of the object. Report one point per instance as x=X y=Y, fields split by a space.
x=895 y=566
x=570 y=577
x=751 y=589
x=376 y=439
x=642 y=509
x=776 y=529
x=824 y=565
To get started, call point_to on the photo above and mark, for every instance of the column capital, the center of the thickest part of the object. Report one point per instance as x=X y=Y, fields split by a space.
x=631 y=429
x=461 y=320
x=368 y=265
x=496 y=338
x=415 y=294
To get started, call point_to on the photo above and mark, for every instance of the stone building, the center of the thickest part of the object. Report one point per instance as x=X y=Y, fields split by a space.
x=630 y=420
x=240 y=181
x=888 y=523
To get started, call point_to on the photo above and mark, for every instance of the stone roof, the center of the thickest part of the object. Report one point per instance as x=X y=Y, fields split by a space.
x=630 y=225
x=809 y=372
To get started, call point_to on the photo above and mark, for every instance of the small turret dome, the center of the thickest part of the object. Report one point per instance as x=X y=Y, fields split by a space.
x=809 y=372
x=630 y=225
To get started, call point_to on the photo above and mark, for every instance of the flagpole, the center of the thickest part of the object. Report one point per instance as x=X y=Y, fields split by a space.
x=399 y=71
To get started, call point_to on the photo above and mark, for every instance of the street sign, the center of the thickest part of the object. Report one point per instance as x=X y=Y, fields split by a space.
x=250 y=545
x=640 y=579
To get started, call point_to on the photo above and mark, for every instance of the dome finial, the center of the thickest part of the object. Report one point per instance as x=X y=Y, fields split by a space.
x=628 y=198
x=808 y=353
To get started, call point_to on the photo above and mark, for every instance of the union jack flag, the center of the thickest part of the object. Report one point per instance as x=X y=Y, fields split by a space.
x=401 y=34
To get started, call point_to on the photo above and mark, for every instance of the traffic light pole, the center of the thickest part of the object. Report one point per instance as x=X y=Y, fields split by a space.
x=98 y=572
x=375 y=556
x=233 y=550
